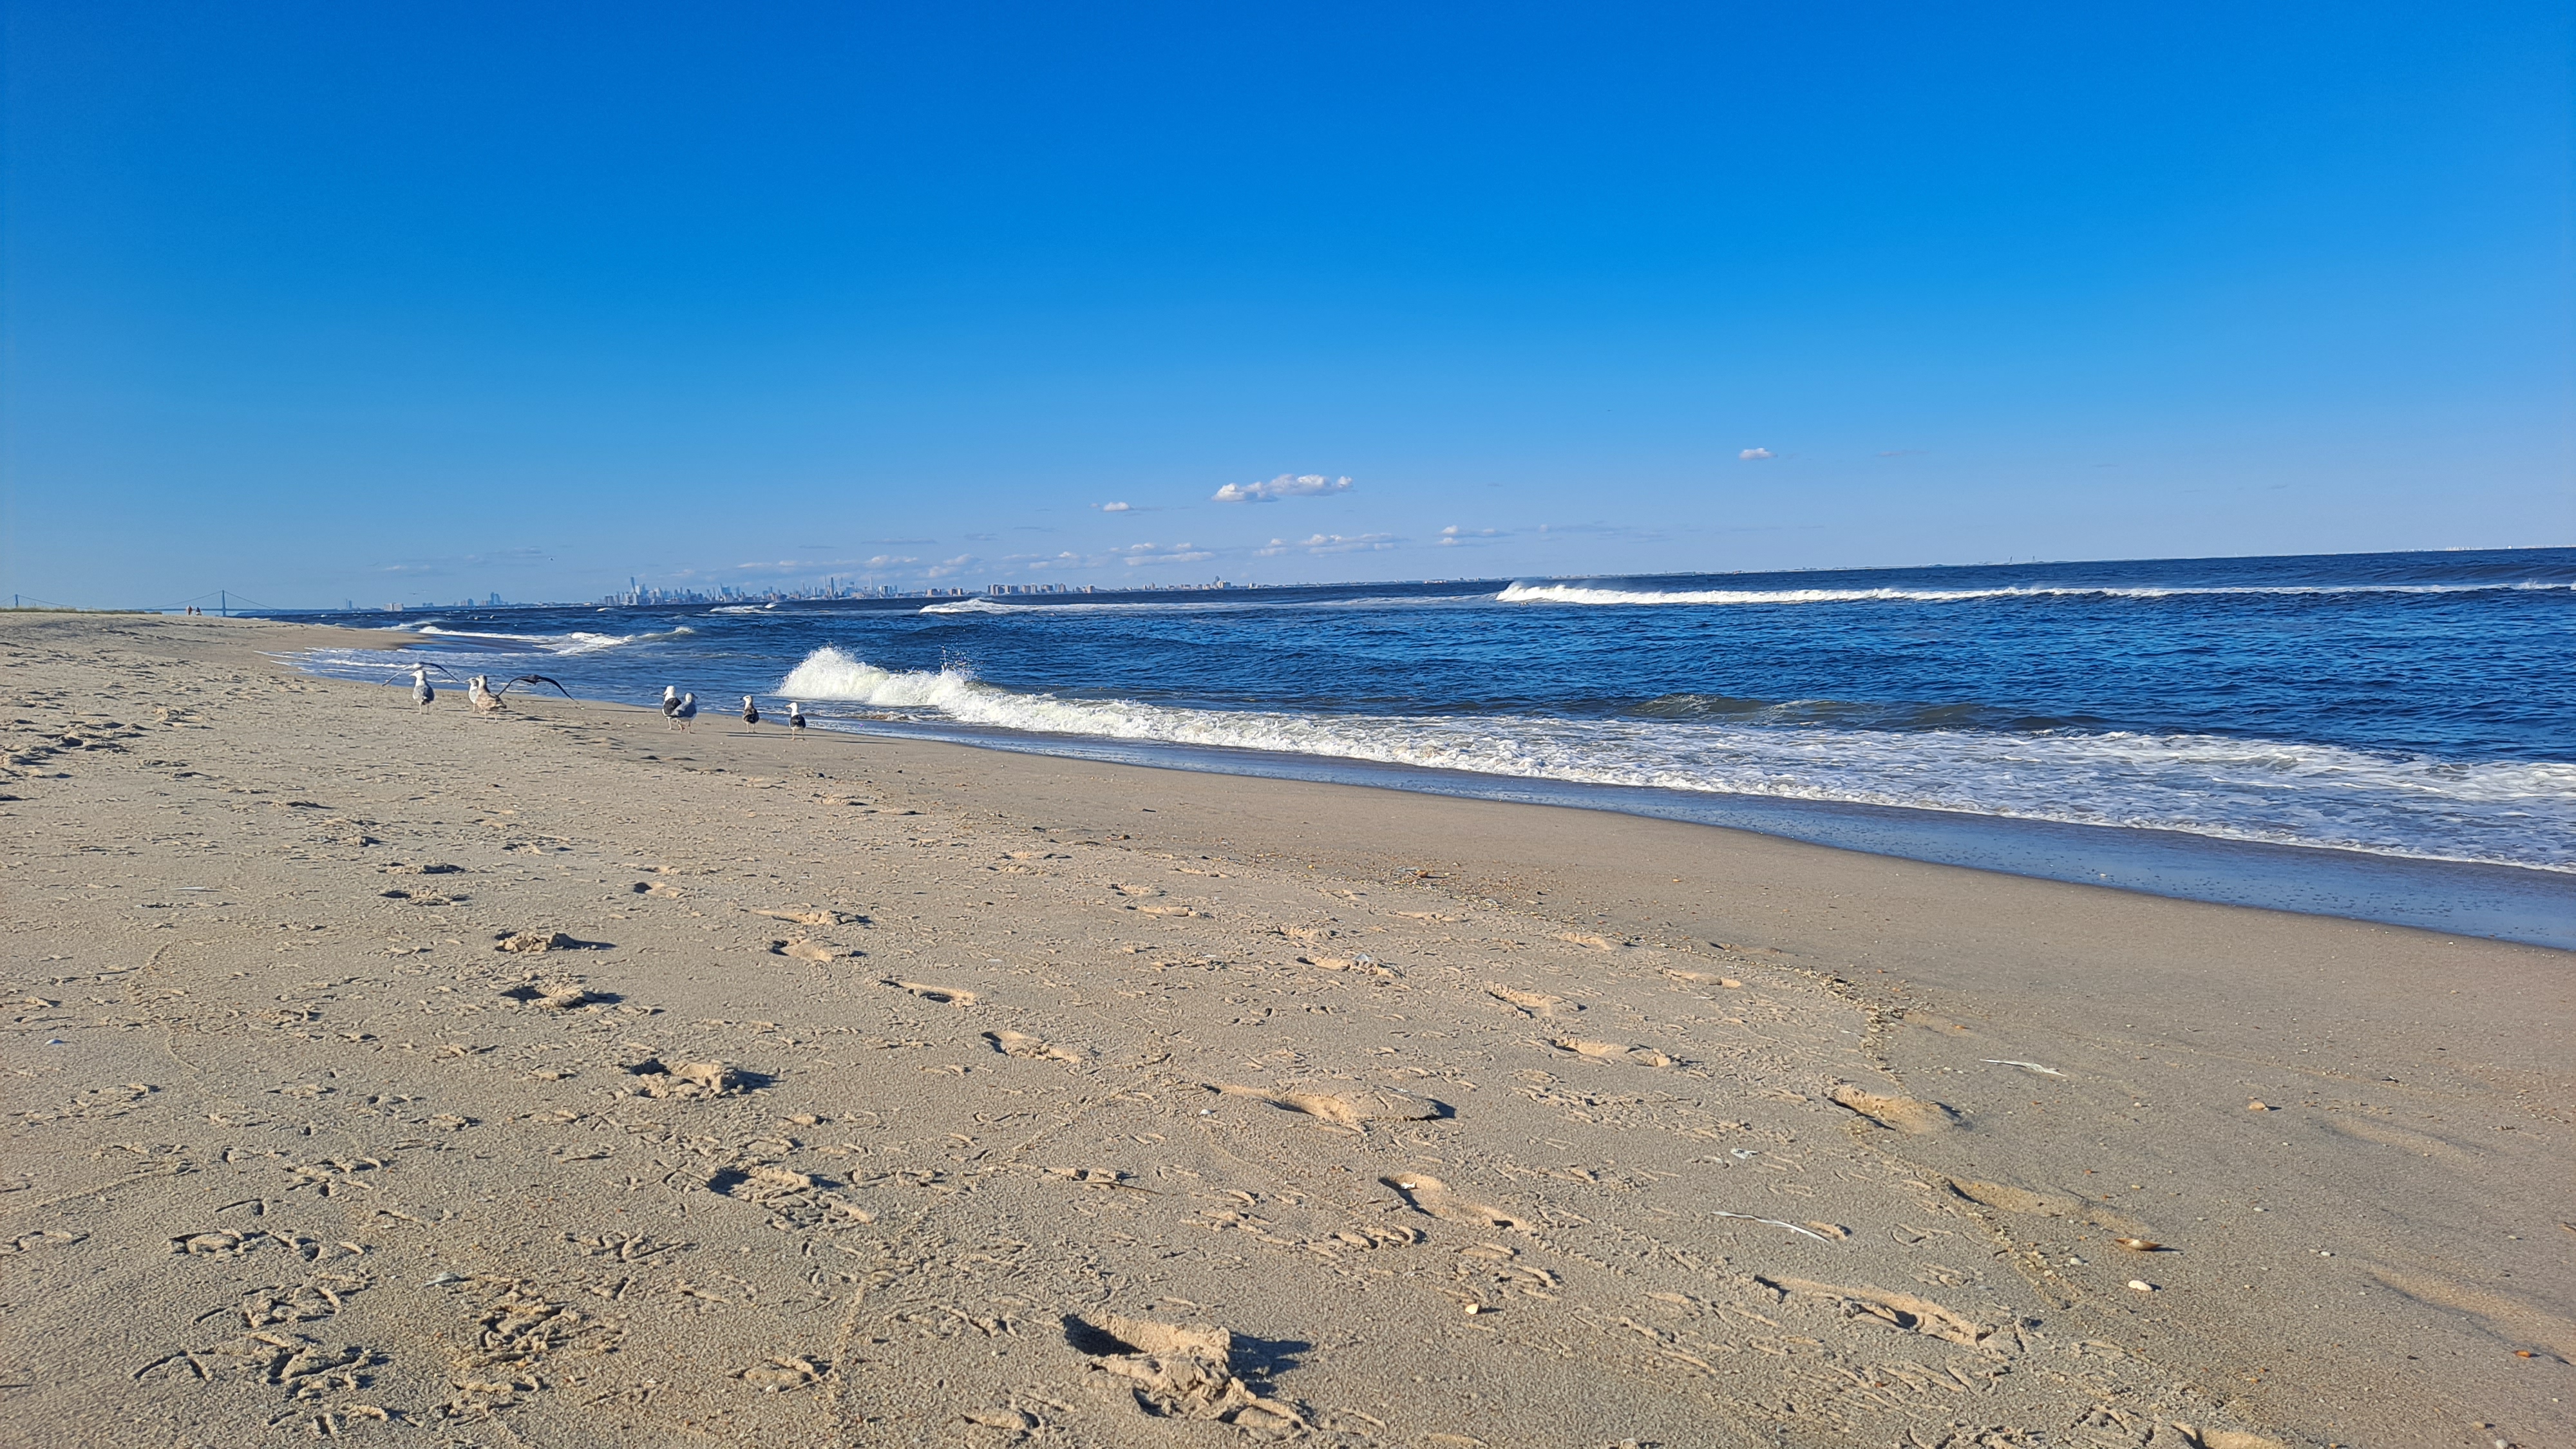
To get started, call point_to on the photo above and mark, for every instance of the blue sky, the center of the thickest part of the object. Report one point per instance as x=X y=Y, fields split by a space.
x=323 y=301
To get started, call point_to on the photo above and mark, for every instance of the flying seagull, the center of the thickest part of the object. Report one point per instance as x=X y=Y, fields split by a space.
x=750 y=711
x=486 y=698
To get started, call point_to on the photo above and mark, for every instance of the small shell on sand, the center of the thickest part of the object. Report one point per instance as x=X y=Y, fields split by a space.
x=2140 y=1245
x=2142 y=1285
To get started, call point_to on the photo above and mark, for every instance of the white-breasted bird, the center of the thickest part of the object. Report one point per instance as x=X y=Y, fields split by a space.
x=795 y=720
x=670 y=699
x=421 y=693
x=750 y=711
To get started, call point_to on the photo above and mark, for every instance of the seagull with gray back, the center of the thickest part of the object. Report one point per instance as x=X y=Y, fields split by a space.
x=421 y=693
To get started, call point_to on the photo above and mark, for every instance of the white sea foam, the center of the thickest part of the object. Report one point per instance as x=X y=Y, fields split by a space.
x=576 y=642
x=1582 y=594
x=2510 y=813
x=981 y=604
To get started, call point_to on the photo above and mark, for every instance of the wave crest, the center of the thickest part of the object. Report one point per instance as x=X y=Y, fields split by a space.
x=2503 y=813
x=1583 y=594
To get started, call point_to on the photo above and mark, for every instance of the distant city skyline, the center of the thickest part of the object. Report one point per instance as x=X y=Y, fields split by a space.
x=322 y=305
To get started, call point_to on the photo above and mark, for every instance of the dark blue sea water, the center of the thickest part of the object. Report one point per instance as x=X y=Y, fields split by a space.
x=2399 y=707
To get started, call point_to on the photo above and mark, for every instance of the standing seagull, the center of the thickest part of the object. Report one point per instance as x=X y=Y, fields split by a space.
x=795 y=721
x=750 y=711
x=685 y=711
x=421 y=693
x=670 y=700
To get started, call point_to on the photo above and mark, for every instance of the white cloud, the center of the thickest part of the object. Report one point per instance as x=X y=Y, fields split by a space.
x=1323 y=543
x=1453 y=535
x=1146 y=553
x=947 y=566
x=1756 y=455
x=1113 y=507
x=1286 y=485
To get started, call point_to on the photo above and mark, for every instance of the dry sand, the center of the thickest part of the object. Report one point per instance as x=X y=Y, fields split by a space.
x=874 y=1092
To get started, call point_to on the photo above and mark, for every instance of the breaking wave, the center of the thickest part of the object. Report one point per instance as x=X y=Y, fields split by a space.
x=2280 y=792
x=576 y=642
x=1585 y=594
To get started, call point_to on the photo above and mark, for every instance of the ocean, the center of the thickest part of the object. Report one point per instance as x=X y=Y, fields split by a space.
x=2388 y=736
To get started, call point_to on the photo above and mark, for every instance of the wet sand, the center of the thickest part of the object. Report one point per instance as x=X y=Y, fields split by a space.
x=560 y=1078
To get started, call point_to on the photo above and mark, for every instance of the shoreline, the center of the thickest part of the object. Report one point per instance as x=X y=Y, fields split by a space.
x=1950 y=1088
x=2528 y=905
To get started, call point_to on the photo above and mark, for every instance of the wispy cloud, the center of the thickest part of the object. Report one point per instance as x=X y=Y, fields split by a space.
x=1147 y=553
x=1113 y=508
x=1286 y=485
x=947 y=566
x=1453 y=535
x=1324 y=543
x=1756 y=455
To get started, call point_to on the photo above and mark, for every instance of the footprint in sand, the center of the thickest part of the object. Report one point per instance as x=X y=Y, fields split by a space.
x=945 y=996
x=42 y=1238
x=1896 y=1114
x=1533 y=1003
x=781 y=1375
x=1021 y=1044
x=1898 y=1310
x=807 y=917
x=1705 y=978
x=1611 y=1051
x=551 y=996
x=1368 y=964
x=804 y=950
x=1352 y=1107
x=1177 y=1370
x=1431 y=1195
x=2008 y=1198
x=657 y=1078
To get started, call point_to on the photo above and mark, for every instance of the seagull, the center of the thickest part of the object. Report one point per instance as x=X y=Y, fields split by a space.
x=685 y=711
x=486 y=698
x=795 y=720
x=670 y=699
x=750 y=711
x=421 y=693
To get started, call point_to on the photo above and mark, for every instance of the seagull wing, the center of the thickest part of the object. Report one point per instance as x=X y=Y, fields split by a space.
x=534 y=679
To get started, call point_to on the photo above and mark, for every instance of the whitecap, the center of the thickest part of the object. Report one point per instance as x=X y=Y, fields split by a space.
x=1519 y=593
x=2508 y=813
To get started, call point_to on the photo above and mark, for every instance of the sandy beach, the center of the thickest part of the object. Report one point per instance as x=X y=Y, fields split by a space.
x=559 y=1078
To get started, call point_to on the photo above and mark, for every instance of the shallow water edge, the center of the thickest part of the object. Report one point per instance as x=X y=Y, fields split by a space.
x=2503 y=903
